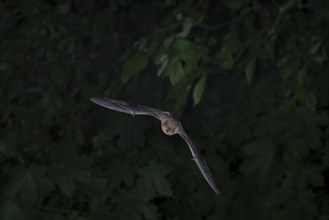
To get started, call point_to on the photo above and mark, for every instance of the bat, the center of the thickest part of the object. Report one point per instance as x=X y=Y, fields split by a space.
x=169 y=126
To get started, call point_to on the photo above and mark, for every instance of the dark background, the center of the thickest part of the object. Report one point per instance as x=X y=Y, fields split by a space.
x=247 y=79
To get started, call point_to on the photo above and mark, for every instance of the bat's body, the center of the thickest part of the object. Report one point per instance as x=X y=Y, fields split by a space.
x=169 y=126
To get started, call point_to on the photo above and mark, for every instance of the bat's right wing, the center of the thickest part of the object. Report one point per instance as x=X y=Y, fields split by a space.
x=200 y=162
x=125 y=107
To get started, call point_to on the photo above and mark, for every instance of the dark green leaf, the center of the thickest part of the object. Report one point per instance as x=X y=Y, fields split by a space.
x=134 y=65
x=154 y=174
x=11 y=210
x=175 y=71
x=250 y=71
x=198 y=89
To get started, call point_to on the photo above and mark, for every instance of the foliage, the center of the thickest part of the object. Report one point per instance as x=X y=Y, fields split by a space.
x=247 y=79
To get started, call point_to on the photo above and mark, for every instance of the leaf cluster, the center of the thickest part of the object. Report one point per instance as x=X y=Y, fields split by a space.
x=248 y=80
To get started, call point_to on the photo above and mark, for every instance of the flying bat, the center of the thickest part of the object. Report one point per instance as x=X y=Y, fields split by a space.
x=169 y=126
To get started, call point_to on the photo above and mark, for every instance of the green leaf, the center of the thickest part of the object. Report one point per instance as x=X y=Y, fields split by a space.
x=178 y=93
x=231 y=47
x=63 y=178
x=250 y=71
x=4 y=67
x=184 y=48
x=286 y=73
x=124 y=174
x=29 y=187
x=227 y=62
x=270 y=49
x=11 y=210
x=310 y=101
x=134 y=65
x=154 y=178
x=212 y=41
x=64 y=8
x=187 y=25
x=149 y=211
x=132 y=204
x=25 y=184
x=175 y=71
x=168 y=42
x=286 y=6
x=315 y=47
x=164 y=62
x=198 y=90
x=259 y=158
x=235 y=5
x=313 y=176
x=301 y=76
x=6 y=149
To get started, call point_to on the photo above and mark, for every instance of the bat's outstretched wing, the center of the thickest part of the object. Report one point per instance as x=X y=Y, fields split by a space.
x=125 y=107
x=200 y=162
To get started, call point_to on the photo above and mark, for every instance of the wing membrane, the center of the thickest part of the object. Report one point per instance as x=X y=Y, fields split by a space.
x=200 y=162
x=125 y=107
x=128 y=108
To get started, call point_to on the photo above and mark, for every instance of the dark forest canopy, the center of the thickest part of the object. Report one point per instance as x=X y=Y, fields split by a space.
x=248 y=80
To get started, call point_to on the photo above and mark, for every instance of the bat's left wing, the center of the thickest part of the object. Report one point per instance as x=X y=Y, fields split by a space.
x=200 y=162
x=125 y=107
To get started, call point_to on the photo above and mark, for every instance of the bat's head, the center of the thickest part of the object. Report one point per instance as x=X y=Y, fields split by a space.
x=170 y=126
